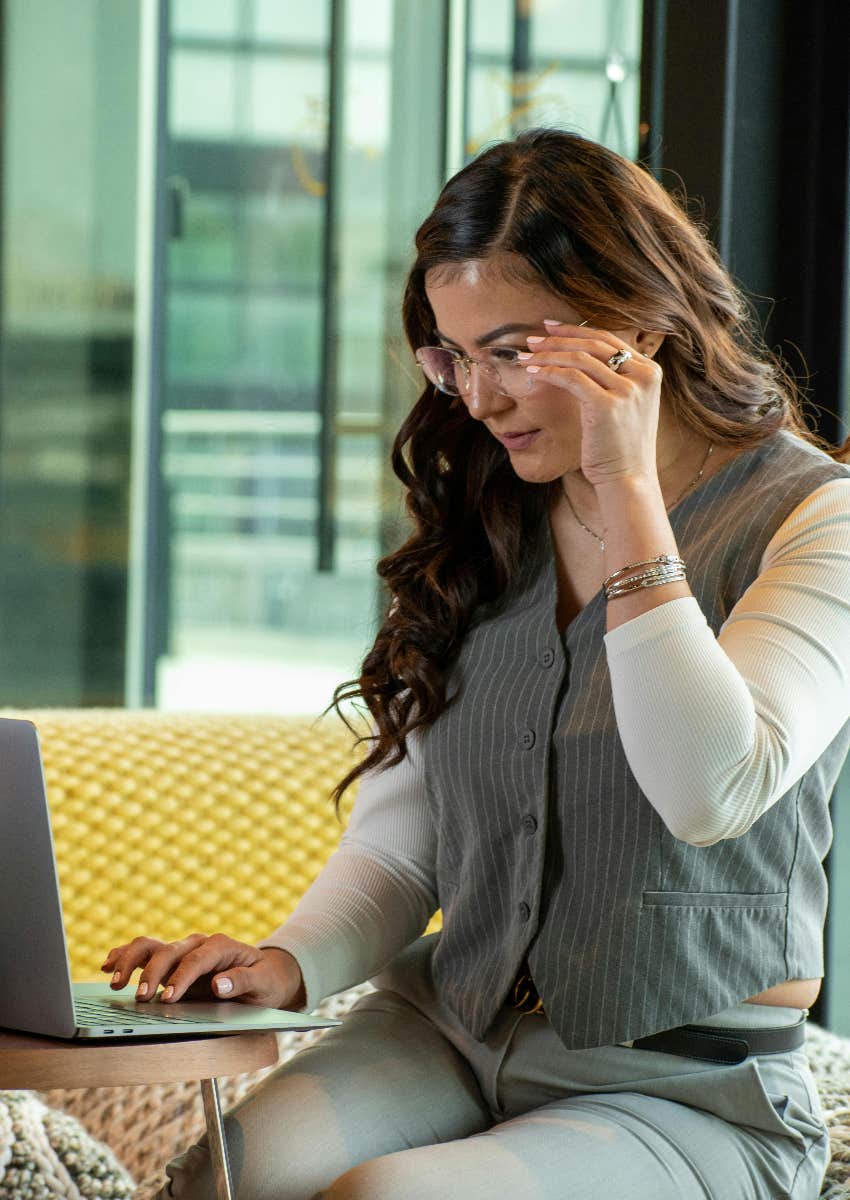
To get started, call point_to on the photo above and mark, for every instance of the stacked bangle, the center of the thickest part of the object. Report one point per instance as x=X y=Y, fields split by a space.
x=666 y=568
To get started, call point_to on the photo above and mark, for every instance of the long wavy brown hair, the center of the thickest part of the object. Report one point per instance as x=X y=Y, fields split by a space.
x=599 y=231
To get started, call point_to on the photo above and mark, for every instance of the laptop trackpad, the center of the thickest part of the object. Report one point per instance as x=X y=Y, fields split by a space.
x=190 y=1010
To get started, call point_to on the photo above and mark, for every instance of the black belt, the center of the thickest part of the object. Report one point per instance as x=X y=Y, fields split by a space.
x=713 y=1043
x=724 y=1045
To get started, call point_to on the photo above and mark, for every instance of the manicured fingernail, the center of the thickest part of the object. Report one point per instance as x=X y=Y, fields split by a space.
x=116 y=976
x=532 y=340
x=551 y=321
x=531 y=370
x=168 y=993
x=522 y=355
x=142 y=989
x=224 y=986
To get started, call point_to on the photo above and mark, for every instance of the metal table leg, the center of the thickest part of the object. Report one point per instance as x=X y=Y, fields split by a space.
x=218 y=1146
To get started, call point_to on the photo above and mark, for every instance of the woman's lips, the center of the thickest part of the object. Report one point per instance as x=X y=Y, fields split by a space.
x=520 y=440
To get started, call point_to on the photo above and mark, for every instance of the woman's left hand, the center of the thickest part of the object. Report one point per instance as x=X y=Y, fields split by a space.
x=619 y=409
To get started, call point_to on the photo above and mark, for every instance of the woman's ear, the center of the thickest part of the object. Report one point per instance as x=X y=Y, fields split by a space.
x=648 y=342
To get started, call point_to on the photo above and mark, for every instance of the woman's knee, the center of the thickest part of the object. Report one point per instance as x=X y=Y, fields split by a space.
x=271 y=1156
x=419 y=1173
x=370 y=1180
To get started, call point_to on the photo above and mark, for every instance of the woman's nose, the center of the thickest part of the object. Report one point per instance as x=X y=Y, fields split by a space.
x=483 y=397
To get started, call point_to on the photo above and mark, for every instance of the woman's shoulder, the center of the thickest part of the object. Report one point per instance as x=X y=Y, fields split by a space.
x=805 y=455
x=820 y=520
x=780 y=472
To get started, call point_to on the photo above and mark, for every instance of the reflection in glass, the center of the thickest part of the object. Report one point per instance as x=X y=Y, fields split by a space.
x=554 y=62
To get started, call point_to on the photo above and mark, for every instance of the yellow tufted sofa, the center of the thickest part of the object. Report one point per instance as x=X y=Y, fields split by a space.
x=165 y=824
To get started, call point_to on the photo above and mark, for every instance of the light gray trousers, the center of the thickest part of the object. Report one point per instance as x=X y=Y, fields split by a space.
x=399 y=1103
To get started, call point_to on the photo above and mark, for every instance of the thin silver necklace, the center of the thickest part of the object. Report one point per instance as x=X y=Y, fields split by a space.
x=672 y=504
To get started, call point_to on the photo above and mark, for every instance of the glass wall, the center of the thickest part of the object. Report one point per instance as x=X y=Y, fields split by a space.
x=68 y=209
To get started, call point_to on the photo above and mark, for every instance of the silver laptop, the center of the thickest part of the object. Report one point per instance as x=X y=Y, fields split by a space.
x=36 y=993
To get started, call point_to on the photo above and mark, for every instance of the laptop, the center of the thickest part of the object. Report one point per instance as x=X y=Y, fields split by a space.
x=36 y=993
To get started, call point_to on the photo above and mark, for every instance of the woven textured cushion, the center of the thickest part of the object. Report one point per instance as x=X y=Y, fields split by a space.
x=45 y=1154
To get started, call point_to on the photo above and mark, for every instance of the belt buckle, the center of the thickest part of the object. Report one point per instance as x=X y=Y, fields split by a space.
x=526 y=998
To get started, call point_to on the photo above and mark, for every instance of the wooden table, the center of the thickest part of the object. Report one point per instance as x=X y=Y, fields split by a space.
x=37 y=1063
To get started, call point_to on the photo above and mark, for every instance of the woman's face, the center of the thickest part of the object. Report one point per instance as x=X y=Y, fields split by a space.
x=479 y=309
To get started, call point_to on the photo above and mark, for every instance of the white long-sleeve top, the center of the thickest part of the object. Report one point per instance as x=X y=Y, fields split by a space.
x=715 y=730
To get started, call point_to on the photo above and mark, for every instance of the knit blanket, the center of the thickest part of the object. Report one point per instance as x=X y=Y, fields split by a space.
x=46 y=1154
x=829 y=1056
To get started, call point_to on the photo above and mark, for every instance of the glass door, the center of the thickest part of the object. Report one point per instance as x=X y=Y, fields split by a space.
x=295 y=137
x=242 y=321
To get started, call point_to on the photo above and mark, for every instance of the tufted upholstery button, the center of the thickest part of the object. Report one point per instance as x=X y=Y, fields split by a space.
x=527 y=739
x=523 y=910
x=547 y=657
x=529 y=823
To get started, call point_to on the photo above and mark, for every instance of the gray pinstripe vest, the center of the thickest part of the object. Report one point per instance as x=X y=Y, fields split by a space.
x=548 y=848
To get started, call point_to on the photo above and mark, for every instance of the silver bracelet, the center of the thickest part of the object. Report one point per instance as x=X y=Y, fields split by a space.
x=655 y=573
x=615 y=594
x=650 y=580
x=664 y=559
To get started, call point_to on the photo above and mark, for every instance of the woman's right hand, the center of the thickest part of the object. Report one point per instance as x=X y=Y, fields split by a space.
x=208 y=968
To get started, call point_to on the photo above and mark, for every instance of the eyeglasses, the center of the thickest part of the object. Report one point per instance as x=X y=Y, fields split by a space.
x=451 y=372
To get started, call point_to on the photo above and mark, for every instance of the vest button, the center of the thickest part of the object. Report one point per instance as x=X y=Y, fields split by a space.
x=529 y=823
x=527 y=739
x=547 y=657
x=523 y=910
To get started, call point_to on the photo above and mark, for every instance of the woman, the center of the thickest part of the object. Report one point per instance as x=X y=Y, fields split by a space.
x=610 y=701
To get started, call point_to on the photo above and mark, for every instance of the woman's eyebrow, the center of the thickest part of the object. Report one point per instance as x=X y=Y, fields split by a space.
x=499 y=331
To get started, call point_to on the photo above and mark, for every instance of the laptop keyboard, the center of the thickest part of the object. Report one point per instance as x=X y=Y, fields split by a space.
x=94 y=1012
